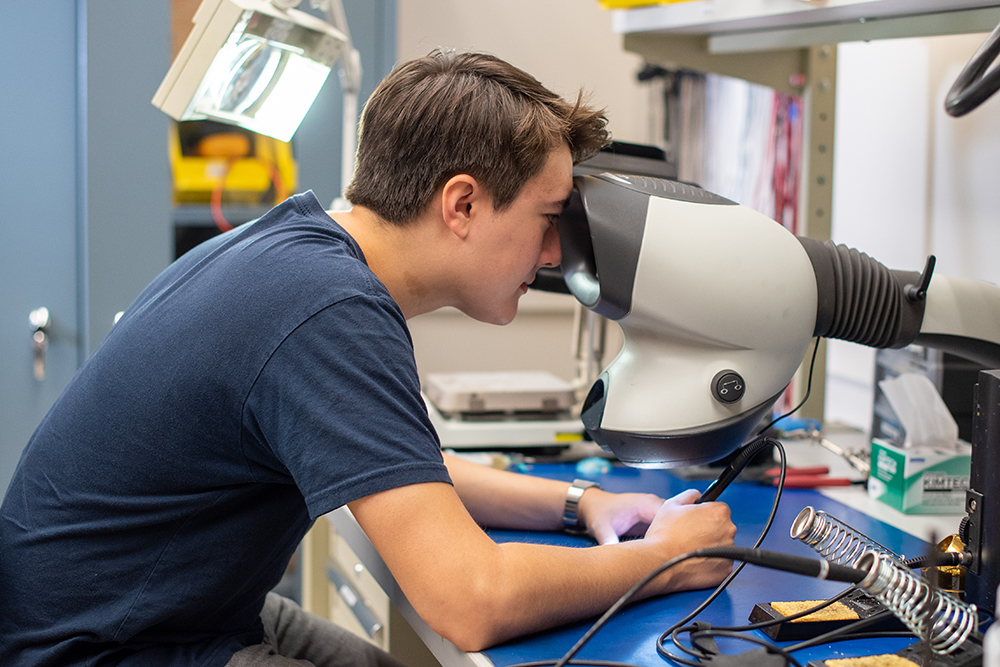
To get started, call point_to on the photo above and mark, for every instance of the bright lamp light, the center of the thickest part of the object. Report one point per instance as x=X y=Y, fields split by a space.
x=251 y=64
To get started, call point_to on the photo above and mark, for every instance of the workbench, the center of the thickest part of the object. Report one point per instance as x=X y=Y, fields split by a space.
x=630 y=636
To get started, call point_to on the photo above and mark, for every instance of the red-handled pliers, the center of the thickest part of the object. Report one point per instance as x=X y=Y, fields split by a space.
x=807 y=478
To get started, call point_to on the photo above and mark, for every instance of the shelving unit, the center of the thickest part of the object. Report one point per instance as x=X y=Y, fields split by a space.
x=789 y=45
x=809 y=21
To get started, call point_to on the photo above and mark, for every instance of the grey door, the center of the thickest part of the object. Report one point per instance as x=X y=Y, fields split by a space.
x=85 y=208
x=39 y=212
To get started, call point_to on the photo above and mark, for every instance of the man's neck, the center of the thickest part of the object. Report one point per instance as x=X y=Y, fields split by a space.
x=405 y=258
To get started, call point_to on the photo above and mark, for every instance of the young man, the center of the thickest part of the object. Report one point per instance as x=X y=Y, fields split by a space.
x=267 y=377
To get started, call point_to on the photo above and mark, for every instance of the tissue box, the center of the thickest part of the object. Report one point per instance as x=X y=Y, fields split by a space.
x=920 y=481
x=953 y=376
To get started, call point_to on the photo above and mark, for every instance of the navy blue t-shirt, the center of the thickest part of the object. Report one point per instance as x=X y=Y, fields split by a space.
x=263 y=379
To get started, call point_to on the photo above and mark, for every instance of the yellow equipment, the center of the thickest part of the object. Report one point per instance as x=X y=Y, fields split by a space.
x=210 y=160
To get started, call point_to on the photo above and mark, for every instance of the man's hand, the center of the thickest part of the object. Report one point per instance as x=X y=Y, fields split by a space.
x=680 y=527
x=608 y=516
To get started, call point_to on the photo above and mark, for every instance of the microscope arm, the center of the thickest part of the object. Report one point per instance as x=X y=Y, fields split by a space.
x=861 y=301
x=963 y=317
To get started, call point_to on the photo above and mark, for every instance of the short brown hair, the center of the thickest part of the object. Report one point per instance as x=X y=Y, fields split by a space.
x=450 y=113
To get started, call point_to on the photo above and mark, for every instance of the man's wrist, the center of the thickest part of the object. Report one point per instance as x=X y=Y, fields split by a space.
x=571 y=510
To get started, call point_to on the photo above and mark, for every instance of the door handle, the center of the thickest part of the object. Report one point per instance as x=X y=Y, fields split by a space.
x=40 y=323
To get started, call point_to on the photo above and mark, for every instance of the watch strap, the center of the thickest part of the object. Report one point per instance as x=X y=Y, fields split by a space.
x=571 y=512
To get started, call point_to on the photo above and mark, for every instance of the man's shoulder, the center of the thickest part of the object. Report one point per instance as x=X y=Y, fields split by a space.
x=294 y=252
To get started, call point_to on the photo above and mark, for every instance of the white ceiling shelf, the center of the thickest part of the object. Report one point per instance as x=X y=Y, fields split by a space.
x=753 y=25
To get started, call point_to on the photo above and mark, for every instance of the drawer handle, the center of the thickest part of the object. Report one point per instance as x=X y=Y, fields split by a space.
x=353 y=599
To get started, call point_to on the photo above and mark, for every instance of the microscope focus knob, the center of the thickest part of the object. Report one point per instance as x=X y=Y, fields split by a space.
x=728 y=386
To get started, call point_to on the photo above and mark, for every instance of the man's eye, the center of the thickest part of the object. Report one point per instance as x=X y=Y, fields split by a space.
x=553 y=218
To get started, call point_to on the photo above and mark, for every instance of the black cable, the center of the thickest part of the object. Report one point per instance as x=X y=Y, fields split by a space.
x=809 y=383
x=675 y=639
x=784 y=653
x=587 y=663
x=629 y=594
x=771 y=559
x=673 y=657
x=732 y=575
x=697 y=631
x=791 y=617
x=840 y=633
x=848 y=632
x=660 y=648
x=944 y=559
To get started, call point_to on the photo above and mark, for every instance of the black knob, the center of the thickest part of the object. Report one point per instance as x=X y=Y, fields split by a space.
x=728 y=386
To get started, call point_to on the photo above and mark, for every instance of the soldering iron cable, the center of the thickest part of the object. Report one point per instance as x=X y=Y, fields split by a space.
x=783 y=466
x=810 y=567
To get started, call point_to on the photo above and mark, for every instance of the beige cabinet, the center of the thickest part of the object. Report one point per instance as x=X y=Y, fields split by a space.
x=339 y=585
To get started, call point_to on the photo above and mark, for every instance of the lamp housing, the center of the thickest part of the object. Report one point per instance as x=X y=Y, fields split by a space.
x=252 y=64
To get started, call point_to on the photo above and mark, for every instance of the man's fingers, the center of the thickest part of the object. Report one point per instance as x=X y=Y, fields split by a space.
x=605 y=536
x=685 y=497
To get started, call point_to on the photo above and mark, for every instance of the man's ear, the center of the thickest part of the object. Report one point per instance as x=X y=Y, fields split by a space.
x=462 y=199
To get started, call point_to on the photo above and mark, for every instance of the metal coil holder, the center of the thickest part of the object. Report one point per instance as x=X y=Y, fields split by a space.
x=833 y=539
x=932 y=614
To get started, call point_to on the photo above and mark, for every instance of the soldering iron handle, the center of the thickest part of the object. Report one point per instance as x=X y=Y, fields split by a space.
x=775 y=560
x=732 y=471
x=716 y=488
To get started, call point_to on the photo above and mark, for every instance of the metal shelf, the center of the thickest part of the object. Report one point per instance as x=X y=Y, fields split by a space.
x=734 y=25
x=780 y=43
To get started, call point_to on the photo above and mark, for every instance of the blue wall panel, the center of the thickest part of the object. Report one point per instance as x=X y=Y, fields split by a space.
x=39 y=216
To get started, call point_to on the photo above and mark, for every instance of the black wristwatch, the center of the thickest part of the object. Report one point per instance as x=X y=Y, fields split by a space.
x=571 y=513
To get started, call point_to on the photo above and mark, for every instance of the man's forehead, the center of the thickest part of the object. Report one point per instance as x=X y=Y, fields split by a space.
x=554 y=185
x=561 y=203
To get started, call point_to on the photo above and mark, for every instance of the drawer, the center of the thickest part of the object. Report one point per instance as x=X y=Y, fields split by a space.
x=357 y=602
x=357 y=575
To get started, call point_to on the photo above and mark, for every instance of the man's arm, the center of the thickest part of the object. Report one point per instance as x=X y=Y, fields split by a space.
x=501 y=499
x=477 y=593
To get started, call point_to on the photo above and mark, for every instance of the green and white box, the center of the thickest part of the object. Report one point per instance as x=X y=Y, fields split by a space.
x=920 y=481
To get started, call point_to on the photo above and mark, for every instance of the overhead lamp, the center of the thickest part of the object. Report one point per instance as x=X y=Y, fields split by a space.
x=251 y=63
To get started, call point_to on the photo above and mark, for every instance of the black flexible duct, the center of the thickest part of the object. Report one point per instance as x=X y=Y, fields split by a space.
x=860 y=300
x=867 y=304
